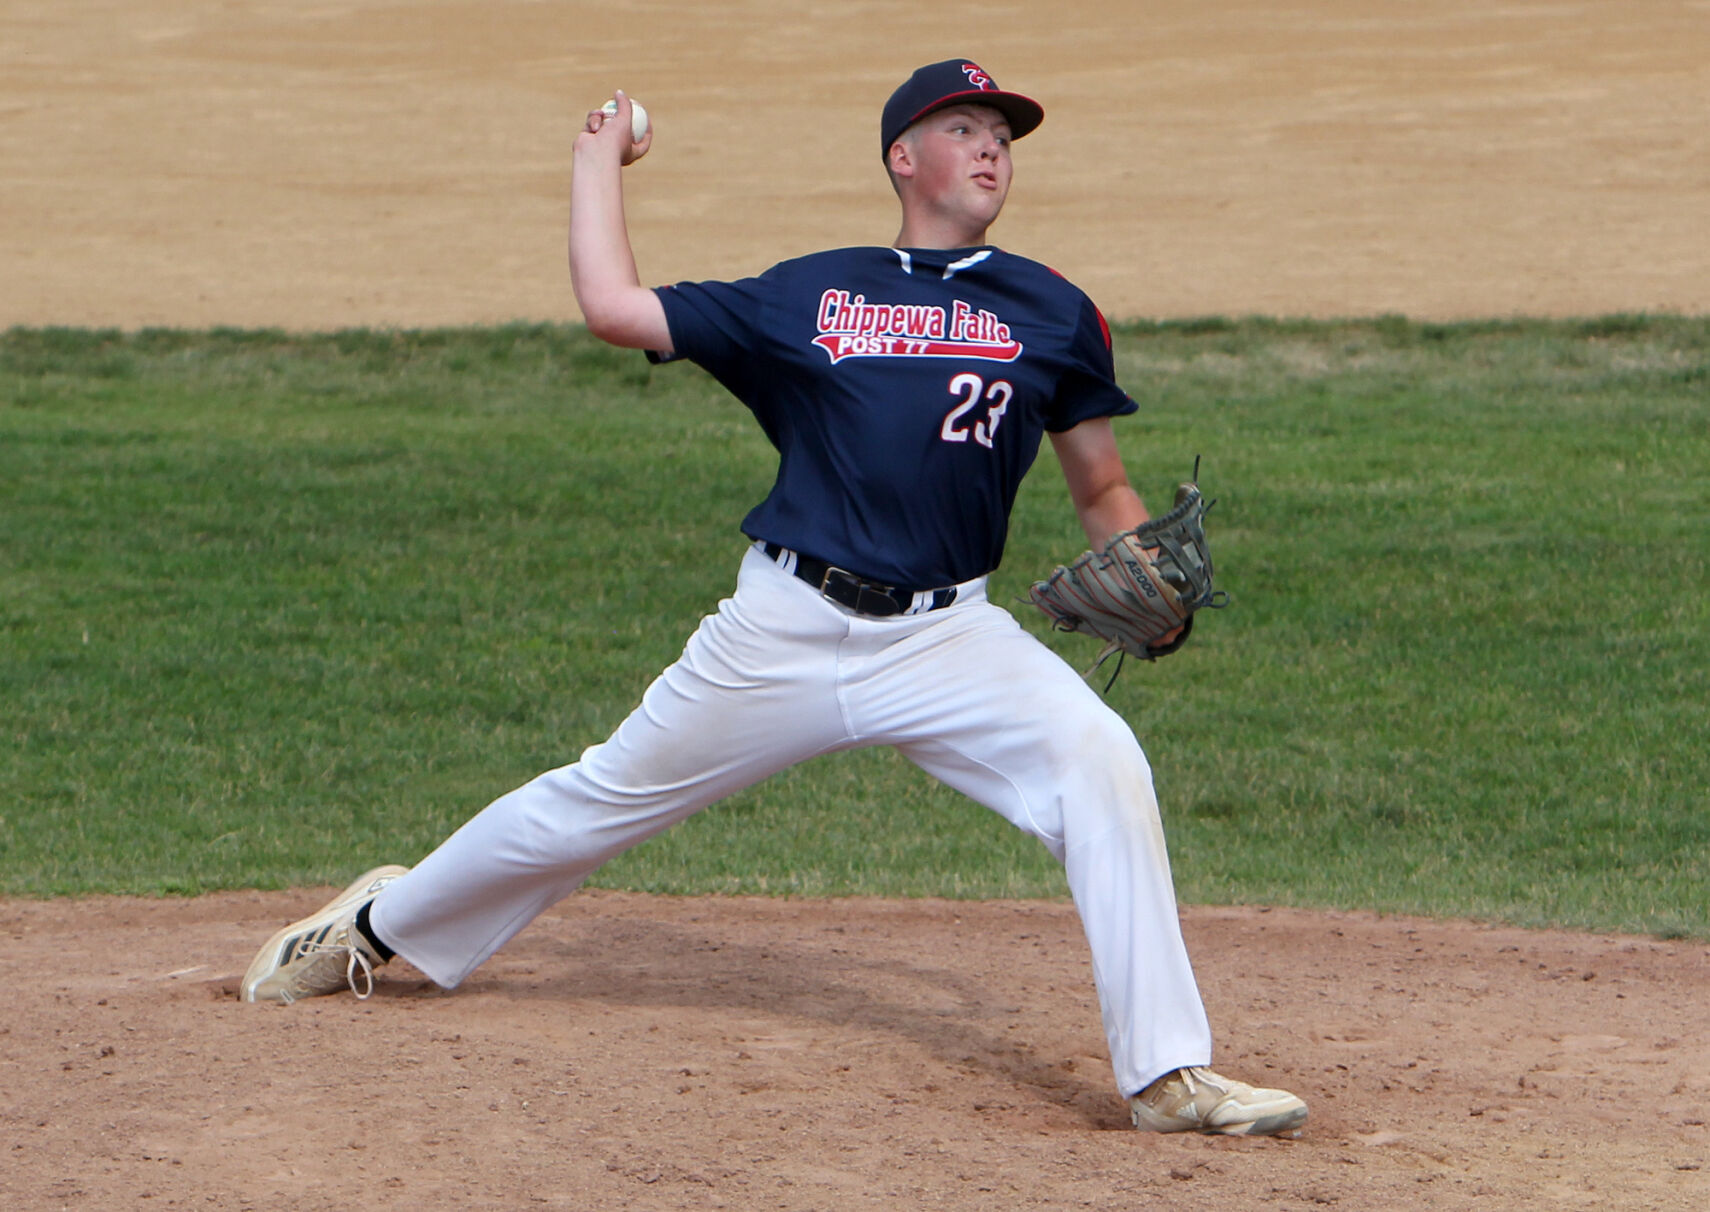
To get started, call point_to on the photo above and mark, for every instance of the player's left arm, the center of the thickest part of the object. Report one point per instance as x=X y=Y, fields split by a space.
x=1098 y=483
x=1104 y=501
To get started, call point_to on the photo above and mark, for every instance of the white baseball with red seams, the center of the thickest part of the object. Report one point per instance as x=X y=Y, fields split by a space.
x=638 y=121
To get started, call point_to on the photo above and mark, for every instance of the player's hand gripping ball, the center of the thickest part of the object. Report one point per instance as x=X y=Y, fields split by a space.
x=640 y=128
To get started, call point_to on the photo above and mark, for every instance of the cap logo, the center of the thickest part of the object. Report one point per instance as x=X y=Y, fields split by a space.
x=977 y=76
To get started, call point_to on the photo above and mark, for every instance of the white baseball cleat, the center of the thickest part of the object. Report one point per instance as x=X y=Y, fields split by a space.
x=1198 y=1100
x=323 y=953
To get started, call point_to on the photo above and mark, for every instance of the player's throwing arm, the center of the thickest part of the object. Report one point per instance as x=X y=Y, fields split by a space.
x=615 y=306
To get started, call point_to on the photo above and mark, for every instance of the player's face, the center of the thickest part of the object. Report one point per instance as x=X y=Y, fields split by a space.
x=962 y=162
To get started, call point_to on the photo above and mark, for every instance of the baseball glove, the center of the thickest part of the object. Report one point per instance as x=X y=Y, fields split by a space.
x=1145 y=584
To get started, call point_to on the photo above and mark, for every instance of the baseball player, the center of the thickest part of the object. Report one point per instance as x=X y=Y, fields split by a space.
x=907 y=389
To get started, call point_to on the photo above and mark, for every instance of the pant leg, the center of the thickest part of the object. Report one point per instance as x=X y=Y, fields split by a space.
x=1000 y=718
x=753 y=692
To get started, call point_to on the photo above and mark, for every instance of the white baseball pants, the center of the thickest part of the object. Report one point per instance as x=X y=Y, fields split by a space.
x=778 y=675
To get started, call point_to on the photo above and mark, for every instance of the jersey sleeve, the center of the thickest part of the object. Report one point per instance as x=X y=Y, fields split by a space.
x=1088 y=386
x=716 y=325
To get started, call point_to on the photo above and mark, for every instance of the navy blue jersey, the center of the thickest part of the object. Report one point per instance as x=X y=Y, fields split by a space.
x=906 y=392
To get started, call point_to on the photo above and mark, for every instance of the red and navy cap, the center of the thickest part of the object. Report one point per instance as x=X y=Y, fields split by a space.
x=953 y=82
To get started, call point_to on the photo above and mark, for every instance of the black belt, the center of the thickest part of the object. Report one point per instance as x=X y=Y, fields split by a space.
x=857 y=593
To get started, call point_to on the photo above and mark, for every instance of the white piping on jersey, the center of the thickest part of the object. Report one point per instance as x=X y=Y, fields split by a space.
x=967 y=262
x=950 y=270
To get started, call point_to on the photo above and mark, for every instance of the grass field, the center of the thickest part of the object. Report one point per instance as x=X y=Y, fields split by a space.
x=274 y=607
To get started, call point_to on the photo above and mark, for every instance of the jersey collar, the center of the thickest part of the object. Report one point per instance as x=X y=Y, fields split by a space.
x=946 y=263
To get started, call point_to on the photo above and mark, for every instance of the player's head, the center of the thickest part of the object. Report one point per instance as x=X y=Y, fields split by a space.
x=946 y=135
x=953 y=82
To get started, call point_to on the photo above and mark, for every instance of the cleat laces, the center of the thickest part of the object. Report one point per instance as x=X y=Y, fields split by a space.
x=355 y=961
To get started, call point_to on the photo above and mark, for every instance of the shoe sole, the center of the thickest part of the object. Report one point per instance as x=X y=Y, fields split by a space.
x=286 y=943
x=1287 y=1122
x=1285 y=1117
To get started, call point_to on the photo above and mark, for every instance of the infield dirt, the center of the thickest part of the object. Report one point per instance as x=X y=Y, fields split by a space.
x=365 y=163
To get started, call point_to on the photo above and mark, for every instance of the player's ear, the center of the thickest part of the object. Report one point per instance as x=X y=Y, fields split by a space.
x=900 y=159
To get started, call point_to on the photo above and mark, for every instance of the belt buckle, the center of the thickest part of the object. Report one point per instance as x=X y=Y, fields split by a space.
x=857 y=594
x=847 y=581
x=841 y=586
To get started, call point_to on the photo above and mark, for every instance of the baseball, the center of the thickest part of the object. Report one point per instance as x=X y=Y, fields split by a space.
x=638 y=118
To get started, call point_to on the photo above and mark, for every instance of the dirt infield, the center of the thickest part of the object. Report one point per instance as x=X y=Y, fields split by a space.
x=355 y=162
x=637 y=1052
x=397 y=164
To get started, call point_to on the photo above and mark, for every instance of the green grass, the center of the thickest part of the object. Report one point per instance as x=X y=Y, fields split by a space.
x=275 y=606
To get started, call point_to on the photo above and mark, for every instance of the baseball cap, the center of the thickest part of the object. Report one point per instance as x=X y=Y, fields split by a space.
x=953 y=82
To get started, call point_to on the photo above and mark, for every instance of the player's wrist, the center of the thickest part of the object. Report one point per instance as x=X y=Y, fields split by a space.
x=590 y=149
